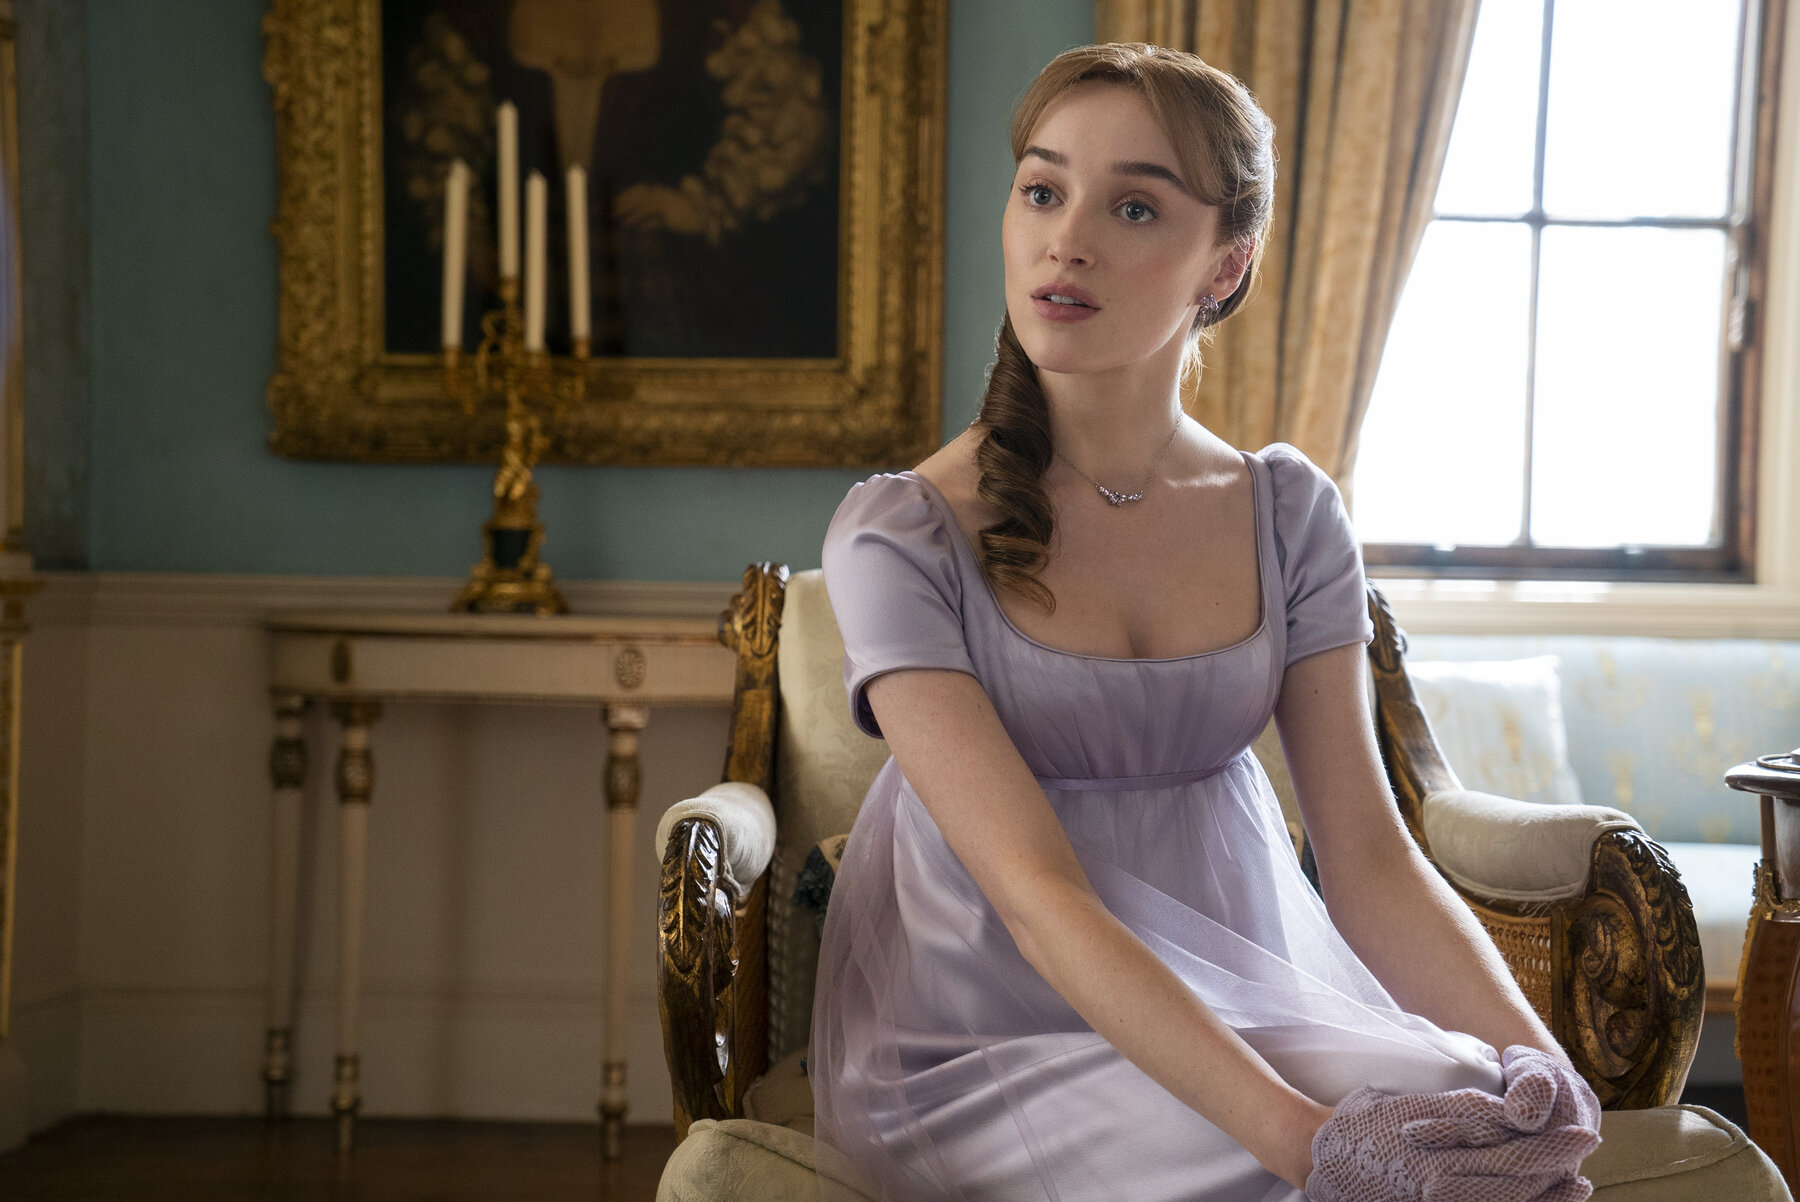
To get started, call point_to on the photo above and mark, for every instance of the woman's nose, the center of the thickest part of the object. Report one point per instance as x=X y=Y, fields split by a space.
x=1071 y=239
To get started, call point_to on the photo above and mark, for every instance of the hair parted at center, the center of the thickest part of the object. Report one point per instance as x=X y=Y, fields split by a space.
x=1225 y=147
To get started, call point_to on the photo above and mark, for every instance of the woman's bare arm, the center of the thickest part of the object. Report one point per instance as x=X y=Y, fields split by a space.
x=950 y=743
x=1397 y=913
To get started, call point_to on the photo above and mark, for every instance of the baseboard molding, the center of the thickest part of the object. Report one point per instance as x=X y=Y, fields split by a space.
x=39 y=1062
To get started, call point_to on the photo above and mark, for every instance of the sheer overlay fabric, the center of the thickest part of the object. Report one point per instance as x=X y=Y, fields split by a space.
x=943 y=1066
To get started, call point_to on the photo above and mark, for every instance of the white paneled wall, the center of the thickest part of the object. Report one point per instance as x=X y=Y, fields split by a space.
x=143 y=926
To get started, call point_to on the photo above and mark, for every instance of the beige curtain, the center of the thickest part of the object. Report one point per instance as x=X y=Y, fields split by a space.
x=1362 y=93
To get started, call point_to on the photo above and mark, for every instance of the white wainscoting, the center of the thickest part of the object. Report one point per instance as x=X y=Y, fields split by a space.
x=143 y=917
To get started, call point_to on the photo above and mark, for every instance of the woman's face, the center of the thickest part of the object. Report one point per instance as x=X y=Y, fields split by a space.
x=1100 y=214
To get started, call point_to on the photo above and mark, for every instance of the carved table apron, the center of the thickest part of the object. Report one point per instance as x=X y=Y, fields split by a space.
x=355 y=661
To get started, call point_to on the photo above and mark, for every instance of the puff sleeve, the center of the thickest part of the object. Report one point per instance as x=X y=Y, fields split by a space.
x=1321 y=560
x=891 y=575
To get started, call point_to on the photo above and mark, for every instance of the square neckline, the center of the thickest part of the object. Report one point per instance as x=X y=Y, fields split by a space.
x=961 y=538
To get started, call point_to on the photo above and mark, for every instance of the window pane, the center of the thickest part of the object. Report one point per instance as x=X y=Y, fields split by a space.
x=1625 y=426
x=1640 y=108
x=1441 y=457
x=1487 y=171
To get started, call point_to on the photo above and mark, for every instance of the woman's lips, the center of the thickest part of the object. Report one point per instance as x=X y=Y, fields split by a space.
x=1052 y=311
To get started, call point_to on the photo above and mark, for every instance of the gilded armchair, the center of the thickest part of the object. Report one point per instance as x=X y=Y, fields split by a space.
x=1586 y=910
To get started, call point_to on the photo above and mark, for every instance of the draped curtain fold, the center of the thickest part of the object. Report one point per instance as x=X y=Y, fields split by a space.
x=1362 y=94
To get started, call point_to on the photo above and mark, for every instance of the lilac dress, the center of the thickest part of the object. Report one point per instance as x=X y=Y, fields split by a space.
x=942 y=1064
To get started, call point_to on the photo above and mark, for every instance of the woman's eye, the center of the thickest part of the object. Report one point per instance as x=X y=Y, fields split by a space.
x=1137 y=211
x=1031 y=194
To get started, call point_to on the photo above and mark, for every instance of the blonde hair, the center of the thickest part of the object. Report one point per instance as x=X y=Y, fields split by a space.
x=1225 y=147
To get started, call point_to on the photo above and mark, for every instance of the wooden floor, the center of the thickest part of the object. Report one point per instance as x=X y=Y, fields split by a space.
x=118 y=1159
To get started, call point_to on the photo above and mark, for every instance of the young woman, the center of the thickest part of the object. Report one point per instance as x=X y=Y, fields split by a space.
x=1070 y=953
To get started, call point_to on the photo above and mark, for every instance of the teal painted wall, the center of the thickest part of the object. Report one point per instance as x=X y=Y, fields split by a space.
x=183 y=281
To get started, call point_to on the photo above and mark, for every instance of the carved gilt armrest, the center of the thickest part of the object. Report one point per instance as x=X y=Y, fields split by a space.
x=1587 y=910
x=712 y=980
x=714 y=881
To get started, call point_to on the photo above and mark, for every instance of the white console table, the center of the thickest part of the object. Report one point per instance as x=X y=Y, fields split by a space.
x=356 y=661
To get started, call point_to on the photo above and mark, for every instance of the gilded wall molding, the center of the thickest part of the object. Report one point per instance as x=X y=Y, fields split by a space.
x=339 y=394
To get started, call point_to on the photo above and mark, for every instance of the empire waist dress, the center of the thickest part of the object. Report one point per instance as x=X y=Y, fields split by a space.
x=943 y=1065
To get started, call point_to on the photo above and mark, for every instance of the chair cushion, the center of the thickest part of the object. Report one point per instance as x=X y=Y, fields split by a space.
x=739 y=1160
x=783 y=1095
x=1676 y=1154
x=1720 y=878
x=1500 y=724
x=823 y=767
x=1671 y=1154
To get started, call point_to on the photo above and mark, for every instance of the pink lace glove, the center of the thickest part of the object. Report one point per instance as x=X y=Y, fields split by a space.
x=1366 y=1152
x=1548 y=1125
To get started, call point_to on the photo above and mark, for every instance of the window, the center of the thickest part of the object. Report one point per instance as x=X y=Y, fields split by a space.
x=1568 y=385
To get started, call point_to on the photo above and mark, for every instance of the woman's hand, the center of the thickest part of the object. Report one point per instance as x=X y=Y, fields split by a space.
x=1431 y=1146
x=1545 y=1097
x=1572 y=1101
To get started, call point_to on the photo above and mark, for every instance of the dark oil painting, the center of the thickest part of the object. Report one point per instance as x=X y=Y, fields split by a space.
x=710 y=133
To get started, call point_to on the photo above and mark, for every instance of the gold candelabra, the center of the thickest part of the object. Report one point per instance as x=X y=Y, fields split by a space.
x=512 y=577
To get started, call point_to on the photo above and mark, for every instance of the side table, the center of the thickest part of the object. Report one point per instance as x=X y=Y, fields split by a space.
x=1768 y=988
x=356 y=661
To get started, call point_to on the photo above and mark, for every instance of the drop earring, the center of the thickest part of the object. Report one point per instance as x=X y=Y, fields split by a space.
x=1209 y=309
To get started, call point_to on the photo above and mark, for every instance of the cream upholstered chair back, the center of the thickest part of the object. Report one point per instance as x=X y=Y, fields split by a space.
x=823 y=768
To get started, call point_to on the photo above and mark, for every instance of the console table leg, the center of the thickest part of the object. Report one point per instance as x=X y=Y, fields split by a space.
x=355 y=782
x=623 y=722
x=287 y=772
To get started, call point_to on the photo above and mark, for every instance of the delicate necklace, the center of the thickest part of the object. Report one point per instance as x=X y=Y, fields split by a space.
x=1119 y=498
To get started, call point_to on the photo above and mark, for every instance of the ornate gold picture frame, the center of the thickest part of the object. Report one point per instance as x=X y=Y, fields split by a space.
x=341 y=392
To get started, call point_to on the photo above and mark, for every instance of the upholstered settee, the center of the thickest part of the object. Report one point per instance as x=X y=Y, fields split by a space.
x=1586 y=909
x=1644 y=725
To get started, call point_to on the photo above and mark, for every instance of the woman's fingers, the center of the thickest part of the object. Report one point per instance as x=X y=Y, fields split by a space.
x=1539 y=1188
x=1575 y=1189
x=1530 y=1097
x=1530 y=1187
x=1457 y=1132
x=1559 y=1150
x=1574 y=1100
x=1529 y=1103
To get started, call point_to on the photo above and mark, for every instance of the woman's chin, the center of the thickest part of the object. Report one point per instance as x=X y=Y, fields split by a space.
x=1064 y=351
x=1063 y=361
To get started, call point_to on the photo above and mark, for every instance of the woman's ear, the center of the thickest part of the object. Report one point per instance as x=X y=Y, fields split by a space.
x=1231 y=270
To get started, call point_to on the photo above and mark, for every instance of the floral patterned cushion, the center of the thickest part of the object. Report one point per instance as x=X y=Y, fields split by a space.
x=1500 y=724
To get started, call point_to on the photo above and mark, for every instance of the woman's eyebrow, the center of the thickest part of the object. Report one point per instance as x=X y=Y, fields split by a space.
x=1139 y=167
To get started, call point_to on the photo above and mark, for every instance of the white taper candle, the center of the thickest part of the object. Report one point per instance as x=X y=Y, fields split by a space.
x=456 y=244
x=537 y=205
x=509 y=190
x=579 y=302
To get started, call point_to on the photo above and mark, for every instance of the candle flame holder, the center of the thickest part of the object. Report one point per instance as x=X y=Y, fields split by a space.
x=512 y=576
